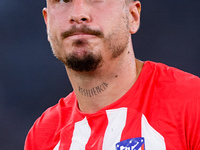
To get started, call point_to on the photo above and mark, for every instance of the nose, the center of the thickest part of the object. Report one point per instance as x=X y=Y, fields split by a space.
x=80 y=12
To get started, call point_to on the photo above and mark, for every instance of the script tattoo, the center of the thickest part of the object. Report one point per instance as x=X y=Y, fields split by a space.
x=94 y=91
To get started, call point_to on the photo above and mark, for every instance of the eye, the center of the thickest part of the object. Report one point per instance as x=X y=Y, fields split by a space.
x=64 y=1
x=97 y=0
x=93 y=1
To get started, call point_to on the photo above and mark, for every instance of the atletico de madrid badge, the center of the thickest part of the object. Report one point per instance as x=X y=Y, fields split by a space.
x=131 y=144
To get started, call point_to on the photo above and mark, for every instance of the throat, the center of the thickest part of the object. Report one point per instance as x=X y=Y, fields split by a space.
x=92 y=92
x=97 y=92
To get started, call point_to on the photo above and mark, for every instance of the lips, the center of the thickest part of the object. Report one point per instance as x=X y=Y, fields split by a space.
x=81 y=35
x=84 y=31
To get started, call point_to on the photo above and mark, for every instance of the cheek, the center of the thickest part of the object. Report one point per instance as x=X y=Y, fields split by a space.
x=113 y=20
x=57 y=20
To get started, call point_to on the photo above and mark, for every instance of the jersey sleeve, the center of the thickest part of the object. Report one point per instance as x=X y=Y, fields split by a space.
x=192 y=117
x=44 y=133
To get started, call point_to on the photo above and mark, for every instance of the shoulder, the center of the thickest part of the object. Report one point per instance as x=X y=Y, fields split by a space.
x=174 y=91
x=46 y=127
x=175 y=85
x=170 y=76
x=177 y=96
x=52 y=114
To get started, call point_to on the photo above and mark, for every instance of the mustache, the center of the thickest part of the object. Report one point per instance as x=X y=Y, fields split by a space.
x=84 y=29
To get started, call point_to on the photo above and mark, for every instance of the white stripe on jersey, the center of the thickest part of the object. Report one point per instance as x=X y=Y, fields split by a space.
x=57 y=146
x=81 y=135
x=153 y=139
x=116 y=124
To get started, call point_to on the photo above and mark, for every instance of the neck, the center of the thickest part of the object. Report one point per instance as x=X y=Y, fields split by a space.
x=106 y=85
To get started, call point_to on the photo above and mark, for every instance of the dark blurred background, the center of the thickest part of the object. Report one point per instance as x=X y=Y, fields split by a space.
x=31 y=79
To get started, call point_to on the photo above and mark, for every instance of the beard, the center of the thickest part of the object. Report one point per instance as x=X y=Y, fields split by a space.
x=89 y=61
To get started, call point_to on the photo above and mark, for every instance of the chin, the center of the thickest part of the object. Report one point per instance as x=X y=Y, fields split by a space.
x=85 y=63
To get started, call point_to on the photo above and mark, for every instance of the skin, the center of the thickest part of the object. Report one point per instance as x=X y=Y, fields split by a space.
x=118 y=69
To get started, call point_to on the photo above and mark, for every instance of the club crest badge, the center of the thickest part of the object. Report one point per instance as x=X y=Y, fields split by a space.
x=131 y=144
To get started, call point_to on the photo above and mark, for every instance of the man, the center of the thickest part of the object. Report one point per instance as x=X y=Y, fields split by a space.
x=118 y=102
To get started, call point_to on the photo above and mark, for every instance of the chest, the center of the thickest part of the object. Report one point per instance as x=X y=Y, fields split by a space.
x=115 y=129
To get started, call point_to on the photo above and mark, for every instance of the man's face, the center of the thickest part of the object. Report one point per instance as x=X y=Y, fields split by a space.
x=86 y=33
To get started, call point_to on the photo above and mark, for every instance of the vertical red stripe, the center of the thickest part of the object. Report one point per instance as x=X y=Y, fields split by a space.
x=66 y=137
x=66 y=133
x=98 y=126
x=133 y=125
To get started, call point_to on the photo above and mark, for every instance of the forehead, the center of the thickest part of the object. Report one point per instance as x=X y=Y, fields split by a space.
x=90 y=0
x=94 y=3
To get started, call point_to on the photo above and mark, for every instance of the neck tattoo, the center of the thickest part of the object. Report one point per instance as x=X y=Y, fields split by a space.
x=93 y=91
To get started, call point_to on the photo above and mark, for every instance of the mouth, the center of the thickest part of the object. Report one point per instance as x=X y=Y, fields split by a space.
x=79 y=35
x=84 y=32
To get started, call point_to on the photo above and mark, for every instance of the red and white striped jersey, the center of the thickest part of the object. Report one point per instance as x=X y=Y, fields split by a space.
x=160 y=112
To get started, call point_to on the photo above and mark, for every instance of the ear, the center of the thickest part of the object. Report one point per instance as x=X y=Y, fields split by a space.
x=44 y=12
x=134 y=20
